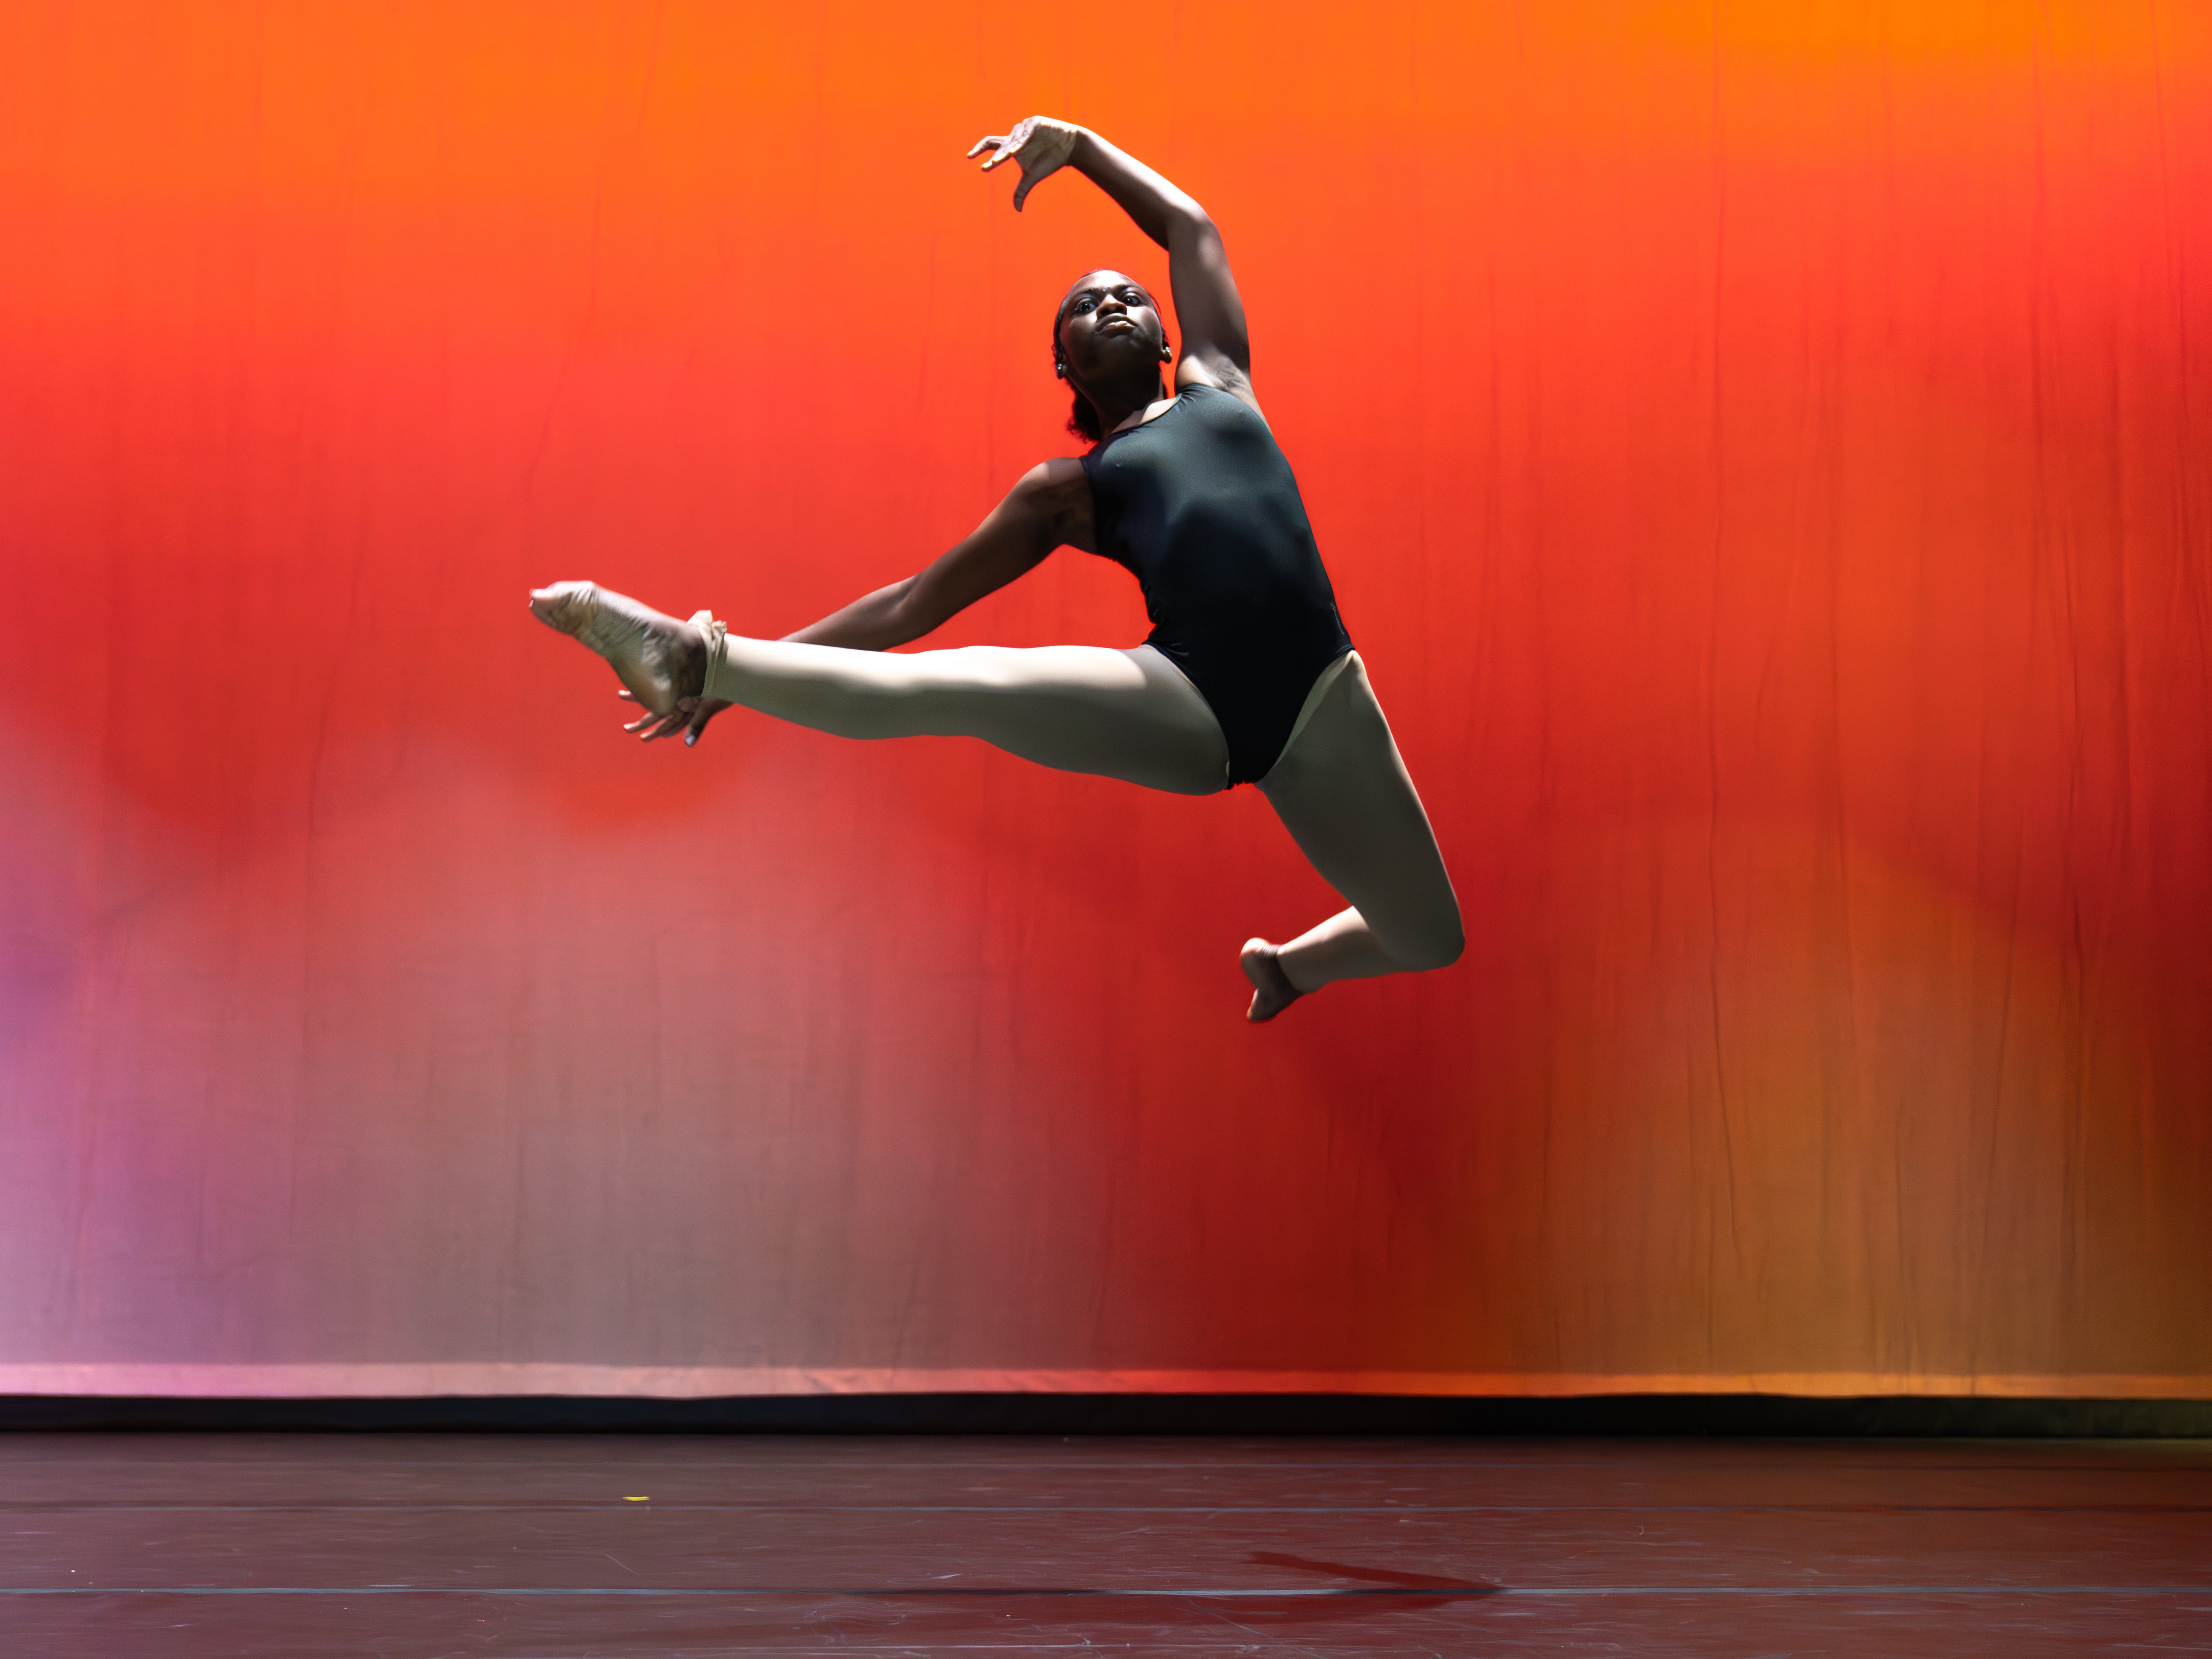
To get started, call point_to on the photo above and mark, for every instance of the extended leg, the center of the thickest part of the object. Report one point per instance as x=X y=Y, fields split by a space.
x=1343 y=793
x=1127 y=714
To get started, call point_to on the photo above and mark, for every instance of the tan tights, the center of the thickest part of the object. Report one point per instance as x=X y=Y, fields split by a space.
x=1339 y=786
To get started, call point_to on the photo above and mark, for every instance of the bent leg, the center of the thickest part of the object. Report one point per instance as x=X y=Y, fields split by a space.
x=1344 y=793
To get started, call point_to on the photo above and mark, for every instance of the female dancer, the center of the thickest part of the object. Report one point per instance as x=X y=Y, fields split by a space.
x=1247 y=676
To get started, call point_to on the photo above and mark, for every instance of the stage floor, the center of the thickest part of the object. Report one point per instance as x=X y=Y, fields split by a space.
x=403 y=1546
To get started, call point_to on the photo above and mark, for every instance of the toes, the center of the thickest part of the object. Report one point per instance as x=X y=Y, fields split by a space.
x=657 y=659
x=566 y=606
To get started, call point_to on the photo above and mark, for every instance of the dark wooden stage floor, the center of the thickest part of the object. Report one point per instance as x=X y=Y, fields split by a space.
x=419 y=1545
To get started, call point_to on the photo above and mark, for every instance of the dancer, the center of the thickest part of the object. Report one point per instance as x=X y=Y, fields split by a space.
x=1247 y=676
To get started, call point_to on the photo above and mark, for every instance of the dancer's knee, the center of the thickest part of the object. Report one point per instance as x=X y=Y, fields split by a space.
x=1434 y=940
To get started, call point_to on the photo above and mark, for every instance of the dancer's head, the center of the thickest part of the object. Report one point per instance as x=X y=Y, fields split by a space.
x=1107 y=343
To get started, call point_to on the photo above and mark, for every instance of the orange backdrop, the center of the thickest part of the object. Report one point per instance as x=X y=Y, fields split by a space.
x=1765 y=453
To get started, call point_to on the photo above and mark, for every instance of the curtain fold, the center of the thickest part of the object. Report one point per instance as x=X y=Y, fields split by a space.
x=1765 y=457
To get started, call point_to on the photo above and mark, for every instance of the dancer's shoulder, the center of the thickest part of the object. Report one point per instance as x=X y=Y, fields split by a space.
x=1056 y=494
x=1054 y=485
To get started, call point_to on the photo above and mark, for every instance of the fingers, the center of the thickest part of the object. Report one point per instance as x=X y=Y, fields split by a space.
x=707 y=712
x=1006 y=145
x=688 y=719
x=1033 y=175
x=675 y=720
x=648 y=726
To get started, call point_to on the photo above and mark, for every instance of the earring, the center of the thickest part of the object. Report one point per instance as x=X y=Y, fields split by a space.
x=1060 y=370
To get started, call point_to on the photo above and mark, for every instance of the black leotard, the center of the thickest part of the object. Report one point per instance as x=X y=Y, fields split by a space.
x=1200 y=506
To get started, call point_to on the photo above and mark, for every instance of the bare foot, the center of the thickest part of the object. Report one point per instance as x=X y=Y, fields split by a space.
x=1271 y=990
x=663 y=661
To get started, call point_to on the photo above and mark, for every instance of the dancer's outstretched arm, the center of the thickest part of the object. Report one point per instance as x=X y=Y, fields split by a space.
x=1049 y=508
x=1216 y=350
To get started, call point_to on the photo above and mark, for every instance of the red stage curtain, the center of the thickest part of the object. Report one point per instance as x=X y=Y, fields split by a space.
x=1765 y=453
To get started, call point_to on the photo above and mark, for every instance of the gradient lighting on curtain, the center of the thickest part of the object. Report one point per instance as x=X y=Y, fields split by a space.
x=1763 y=457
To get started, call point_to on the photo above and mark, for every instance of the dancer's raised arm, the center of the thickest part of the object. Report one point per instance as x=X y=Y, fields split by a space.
x=1215 y=349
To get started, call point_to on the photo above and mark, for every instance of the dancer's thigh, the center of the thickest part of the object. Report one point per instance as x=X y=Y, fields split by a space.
x=1344 y=793
x=1127 y=714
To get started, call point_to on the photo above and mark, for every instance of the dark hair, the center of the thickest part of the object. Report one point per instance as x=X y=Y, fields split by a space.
x=1082 y=417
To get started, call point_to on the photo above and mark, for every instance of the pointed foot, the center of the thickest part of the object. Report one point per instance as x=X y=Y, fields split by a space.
x=1271 y=990
x=662 y=661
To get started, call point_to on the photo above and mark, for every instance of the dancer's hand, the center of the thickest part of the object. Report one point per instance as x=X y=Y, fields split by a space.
x=689 y=717
x=1041 y=144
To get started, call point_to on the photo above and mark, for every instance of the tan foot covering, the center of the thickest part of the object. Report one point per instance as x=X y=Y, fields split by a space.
x=716 y=633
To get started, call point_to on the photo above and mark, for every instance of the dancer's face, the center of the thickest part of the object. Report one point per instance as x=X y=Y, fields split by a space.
x=1110 y=330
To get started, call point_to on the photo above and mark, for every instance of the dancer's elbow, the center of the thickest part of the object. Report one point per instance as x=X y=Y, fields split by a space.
x=1190 y=227
x=906 y=614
